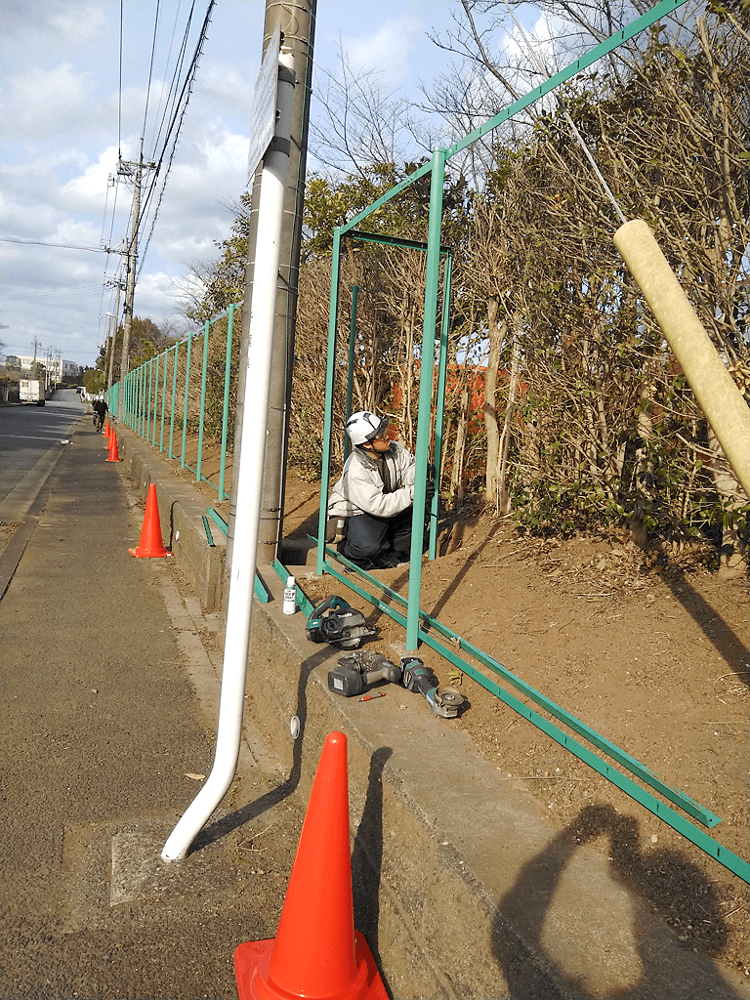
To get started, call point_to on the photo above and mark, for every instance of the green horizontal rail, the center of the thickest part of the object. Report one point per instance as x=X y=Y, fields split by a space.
x=608 y=45
x=588 y=59
x=673 y=819
x=394 y=241
x=679 y=798
x=259 y=588
x=218 y=519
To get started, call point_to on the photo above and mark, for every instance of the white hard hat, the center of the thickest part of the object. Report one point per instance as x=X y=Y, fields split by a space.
x=364 y=426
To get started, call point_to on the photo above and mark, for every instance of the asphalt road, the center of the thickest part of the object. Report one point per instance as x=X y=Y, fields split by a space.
x=28 y=434
x=104 y=744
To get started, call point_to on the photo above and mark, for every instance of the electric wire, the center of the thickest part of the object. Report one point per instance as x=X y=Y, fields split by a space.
x=186 y=94
x=119 y=93
x=59 y=246
x=51 y=293
x=151 y=66
x=179 y=62
x=170 y=126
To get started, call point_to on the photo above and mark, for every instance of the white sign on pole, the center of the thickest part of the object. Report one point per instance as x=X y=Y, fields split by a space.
x=263 y=122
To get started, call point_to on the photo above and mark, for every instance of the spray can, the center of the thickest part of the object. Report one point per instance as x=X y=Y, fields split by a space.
x=290 y=596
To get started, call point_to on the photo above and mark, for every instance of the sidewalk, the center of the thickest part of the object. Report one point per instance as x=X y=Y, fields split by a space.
x=461 y=886
x=101 y=730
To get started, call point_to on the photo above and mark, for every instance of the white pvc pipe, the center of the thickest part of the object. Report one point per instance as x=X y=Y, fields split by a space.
x=250 y=477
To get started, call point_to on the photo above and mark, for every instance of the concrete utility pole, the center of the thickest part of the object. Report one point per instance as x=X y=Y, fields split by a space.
x=297 y=23
x=111 y=365
x=131 y=261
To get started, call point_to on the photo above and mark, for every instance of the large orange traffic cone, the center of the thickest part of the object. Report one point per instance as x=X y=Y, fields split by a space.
x=113 y=456
x=316 y=953
x=150 y=544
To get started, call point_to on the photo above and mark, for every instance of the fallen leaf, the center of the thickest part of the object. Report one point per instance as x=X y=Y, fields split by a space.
x=195 y=777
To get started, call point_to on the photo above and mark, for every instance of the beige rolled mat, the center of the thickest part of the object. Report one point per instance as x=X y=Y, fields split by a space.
x=714 y=388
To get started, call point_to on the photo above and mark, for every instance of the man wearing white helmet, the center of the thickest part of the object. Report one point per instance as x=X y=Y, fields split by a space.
x=375 y=495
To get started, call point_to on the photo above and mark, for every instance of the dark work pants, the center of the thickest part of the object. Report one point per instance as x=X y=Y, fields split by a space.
x=367 y=539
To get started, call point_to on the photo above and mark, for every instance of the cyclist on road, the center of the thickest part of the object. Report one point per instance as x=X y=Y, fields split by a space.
x=100 y=412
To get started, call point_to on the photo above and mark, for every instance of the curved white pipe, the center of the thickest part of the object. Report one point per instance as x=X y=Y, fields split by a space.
x=250 y=477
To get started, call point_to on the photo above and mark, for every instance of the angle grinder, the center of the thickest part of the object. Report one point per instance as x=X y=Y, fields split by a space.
x=336 y=622
x=445 y=702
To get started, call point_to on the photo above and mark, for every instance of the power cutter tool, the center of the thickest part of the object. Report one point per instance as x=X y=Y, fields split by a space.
x=358 y=671
x=445 y=702
x=336 y=622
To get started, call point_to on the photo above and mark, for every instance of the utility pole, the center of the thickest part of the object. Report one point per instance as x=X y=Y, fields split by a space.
x=119 y=286
x=297 y=24
x=131 y=256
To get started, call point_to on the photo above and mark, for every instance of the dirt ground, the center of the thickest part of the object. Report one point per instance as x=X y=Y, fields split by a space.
x=653 y=656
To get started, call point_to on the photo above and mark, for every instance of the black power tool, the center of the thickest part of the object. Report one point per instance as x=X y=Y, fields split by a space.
x=335 y=621
x=358 y=671
x=445 y=702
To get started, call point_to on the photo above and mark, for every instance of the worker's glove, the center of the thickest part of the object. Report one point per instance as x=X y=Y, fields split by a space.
x=429 y=492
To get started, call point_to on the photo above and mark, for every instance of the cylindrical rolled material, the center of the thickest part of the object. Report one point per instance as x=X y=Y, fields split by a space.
x=714 y=388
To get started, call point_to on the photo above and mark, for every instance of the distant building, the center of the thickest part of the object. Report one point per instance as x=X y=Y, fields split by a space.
x=58 y=369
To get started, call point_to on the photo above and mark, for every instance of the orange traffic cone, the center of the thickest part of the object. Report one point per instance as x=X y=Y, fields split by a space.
x=107 y=434
x=150 y=544
x=316 y=953
x=113 y=456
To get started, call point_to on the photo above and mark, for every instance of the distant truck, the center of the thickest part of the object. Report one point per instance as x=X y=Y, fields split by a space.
x=31 y=390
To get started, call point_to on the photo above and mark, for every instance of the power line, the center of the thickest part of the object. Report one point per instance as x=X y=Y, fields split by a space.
x=151 y=66
x=52 y=292
x=61 y=246
x=186 y=94
x=119 y=94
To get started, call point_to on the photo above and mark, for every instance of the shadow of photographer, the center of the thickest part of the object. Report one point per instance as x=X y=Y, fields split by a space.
x=654 y=963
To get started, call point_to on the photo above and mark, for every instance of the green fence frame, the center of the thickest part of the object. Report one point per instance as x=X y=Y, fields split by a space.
x=149 y=409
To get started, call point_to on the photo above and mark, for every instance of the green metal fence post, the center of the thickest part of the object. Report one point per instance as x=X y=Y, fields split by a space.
x=174 y=399
x=350 y=378
x=183 y=463
x=202 y=415
x=163 y=400
x=440 y=401
x=155 y=404
x=225 y=407
x=432 y=278
x=141 y=392
x=325 y=471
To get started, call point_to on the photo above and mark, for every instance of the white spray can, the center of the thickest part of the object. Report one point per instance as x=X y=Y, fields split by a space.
x=290 y=596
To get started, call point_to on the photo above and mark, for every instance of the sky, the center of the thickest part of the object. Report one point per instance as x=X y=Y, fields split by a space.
x=66 y=112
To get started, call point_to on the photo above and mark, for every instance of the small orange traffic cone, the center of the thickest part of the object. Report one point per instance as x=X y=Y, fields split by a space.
x=113 y=456
x=316 y=954
x=107 y=434
x=150 y=544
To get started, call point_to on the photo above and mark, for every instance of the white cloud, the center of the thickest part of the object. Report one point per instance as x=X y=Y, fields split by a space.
x=51 y=22
x=45 y=101
x=387 y=50
x=78 y=23
x=86 y=191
